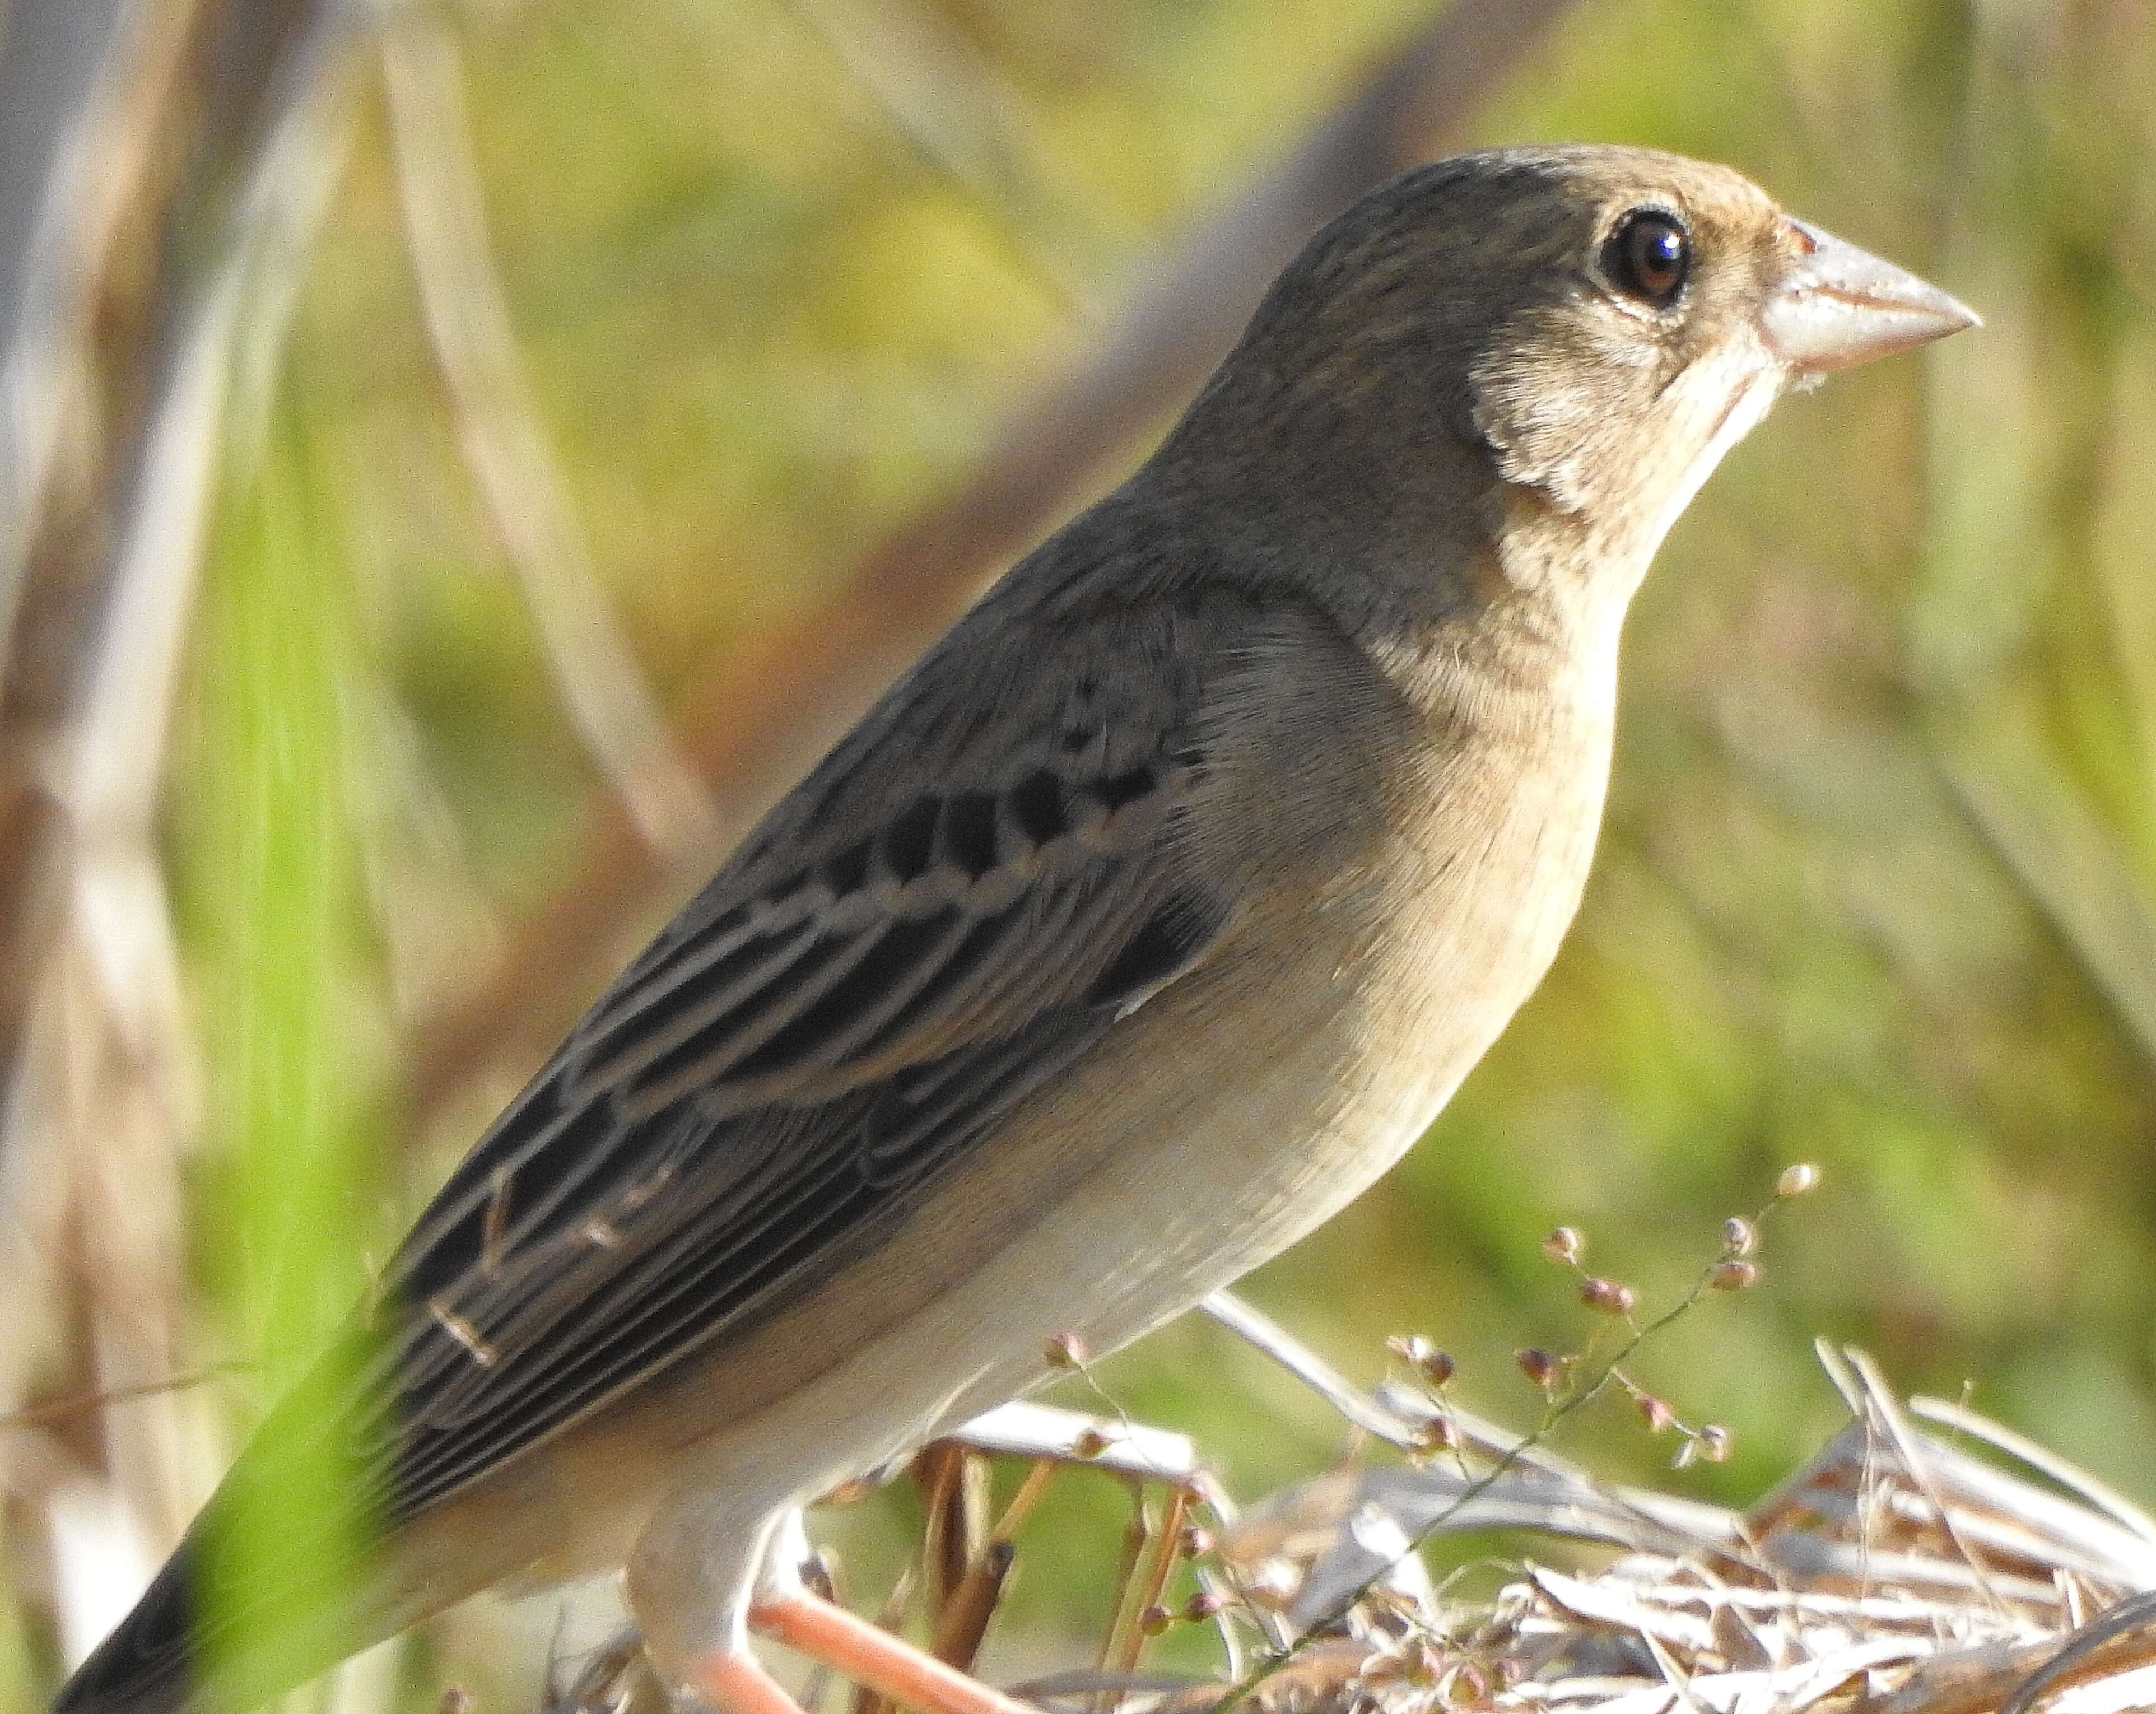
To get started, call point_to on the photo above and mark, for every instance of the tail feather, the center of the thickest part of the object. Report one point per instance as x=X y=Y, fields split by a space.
x=193 y=1646
x=276 y=1582
x=146 y=1666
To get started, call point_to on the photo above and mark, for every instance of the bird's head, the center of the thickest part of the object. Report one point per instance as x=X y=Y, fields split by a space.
x=1590 y=327
x=1657 y=307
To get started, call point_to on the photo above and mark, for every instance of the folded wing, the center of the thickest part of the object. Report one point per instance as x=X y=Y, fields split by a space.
x=858 y=1000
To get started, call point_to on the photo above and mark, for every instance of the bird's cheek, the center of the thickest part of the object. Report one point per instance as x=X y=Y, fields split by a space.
x=1543 y=429
x=1599 y=447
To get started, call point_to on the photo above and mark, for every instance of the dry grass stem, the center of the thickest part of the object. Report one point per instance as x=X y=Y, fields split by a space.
x=1852 y=1587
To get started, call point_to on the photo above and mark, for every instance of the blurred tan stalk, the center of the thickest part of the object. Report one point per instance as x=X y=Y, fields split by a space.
x=607 y=697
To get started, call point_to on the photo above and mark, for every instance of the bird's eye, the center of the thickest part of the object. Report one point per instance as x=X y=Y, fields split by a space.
x=1648 y=256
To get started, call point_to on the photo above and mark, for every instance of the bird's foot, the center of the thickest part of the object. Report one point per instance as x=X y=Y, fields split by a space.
x=735 y=1684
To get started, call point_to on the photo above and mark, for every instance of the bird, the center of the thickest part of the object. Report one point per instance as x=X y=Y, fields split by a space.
x=1145 y=920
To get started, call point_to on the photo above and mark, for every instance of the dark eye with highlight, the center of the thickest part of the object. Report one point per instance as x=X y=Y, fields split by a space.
x=1648 y=256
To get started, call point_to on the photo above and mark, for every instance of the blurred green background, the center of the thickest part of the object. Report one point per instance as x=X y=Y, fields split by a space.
x=1877 y=887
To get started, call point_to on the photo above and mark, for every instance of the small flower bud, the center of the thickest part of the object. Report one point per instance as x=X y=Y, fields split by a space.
x=1656 y=1413
x=1439 y=1434
x=1564 y=1246
x=1153 y=1620
x=1607 y=1296
x=1065 y=1350
x=1436 y=1366
x=1090 y=1443
x=1735 y=1275
x=1537 y=1365
x=1739 y=1236
x=1714 y=1443
x=1204 y=1605
x=1195 y=1543
x=1796 y=1180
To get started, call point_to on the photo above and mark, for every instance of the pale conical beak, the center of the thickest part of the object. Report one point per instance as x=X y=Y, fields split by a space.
x=1839 y=306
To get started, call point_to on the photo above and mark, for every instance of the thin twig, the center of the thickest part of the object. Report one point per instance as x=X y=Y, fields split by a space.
x=82 y=1404
x=1160 y=1565
x=1123 y=1617
x=1553 y=1414
x=1035 y=1483
x=608 y=701
x=1268 y=1337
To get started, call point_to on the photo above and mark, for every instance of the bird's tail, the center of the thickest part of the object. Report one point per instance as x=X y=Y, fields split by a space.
x=202 y=1643
x=282 y=1576
x=146 y=1666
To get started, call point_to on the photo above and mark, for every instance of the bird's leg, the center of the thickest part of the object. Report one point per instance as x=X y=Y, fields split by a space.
x=786 y=1612
x=737 y=1683
x=868 y=1655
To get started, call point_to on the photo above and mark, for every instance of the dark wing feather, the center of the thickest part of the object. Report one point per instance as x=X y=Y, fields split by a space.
x=765 y=1091
x=709 y=1263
